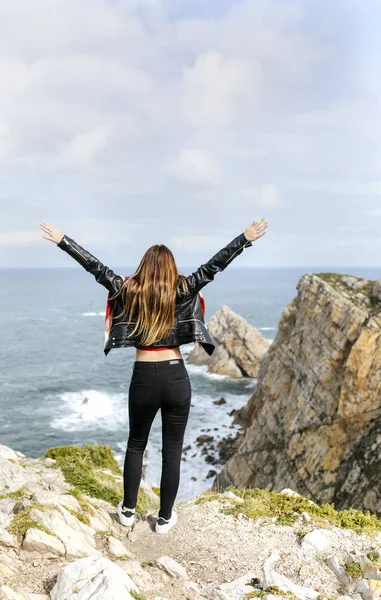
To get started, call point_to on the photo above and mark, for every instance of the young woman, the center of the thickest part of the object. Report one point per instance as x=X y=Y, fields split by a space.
x=156 y=310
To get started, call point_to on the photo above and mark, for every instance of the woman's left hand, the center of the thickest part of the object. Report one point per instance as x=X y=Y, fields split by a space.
x=55 y=235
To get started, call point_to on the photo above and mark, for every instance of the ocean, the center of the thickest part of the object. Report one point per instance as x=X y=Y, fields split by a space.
x=57 y=387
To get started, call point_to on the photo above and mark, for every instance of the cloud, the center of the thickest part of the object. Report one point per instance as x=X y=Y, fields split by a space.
x=214 y=88
x=194 y=165
x=15 y=238
x=267 y=196
x=83 y=148
x=153 y=111
x=7 y=141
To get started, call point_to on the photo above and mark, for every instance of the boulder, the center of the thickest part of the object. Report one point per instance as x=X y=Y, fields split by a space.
x=239 y=350
x=94 y=577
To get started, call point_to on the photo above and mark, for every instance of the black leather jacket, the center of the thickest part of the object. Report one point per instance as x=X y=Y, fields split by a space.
x=189 y=324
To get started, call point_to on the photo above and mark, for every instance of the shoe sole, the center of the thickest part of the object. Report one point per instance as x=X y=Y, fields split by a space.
x=125 y=521
x=165 y=528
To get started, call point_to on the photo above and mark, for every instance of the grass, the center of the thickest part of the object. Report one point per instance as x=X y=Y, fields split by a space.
x=137 y=595
x=374 y=556
x=22 y=521
x=353 y=570
x=273 y=589
x=81 y=468
x=336 y=281
x=263 y=503
x=19 y=494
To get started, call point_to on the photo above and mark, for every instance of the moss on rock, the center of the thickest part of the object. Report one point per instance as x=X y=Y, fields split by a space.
x=263 y=503
x=22 y=521
x=83 y=467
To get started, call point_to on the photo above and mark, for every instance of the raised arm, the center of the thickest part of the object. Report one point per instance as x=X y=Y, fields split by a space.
x=206 y=272
x=103 y=274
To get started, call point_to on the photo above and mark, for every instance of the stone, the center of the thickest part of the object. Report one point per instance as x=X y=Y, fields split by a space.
x=77 y=537
x=313 y=423
x=94 y=577
x=172 y=567
x=368 y=568
x=140 y=576
x=318 y=539
x=7 y=539
x=362 y=587
x=334 y=565
x=40 y=541
x=203 y=438
x=236 y=589
x=219 y=401
x=239 y=350
x=8 y=593
x=116 y=547
x=271 y=577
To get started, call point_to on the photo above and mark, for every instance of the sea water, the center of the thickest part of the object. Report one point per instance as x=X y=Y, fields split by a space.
x=57 y=387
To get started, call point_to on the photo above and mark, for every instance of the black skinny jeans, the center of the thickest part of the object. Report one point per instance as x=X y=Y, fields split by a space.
x=165 y=385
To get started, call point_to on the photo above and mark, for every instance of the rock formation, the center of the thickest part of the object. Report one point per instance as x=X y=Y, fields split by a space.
x=58 y=542
x=239 y=350
x=314 y=421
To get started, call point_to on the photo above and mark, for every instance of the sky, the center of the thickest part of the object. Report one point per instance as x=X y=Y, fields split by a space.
x=126 y=123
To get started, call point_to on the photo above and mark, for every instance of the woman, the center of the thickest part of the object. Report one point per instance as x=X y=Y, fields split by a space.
x=156 y=310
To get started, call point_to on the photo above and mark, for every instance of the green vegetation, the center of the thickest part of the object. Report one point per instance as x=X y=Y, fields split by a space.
x=81 y=467
x=263 y=503
x=137 y=595
x=22 y=521
x=22 y=492
x=156 y=489
x=336 y=281
x=84 y=504
x=147 y=563
x=273 y=589
x=374 y=556
x=353 y=570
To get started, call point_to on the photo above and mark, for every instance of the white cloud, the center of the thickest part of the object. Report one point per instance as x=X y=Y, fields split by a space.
x=7 y=142
x=83 y=148
x=274 y=104
x=214 y=88
x=268 y=196
x=194 y=165
x=19 y=238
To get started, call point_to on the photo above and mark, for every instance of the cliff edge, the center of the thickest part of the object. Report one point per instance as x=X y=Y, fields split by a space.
x=314 y=422
x=60 y=539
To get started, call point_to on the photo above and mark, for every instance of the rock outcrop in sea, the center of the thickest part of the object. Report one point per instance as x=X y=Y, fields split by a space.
x=61 y=539
x=314 y=422
x=239 y=350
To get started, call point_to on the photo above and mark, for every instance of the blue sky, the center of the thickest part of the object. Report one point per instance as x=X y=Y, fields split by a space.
x=128 y=123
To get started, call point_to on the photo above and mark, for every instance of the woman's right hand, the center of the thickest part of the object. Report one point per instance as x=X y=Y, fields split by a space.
x=256 y=230
x=55 y=235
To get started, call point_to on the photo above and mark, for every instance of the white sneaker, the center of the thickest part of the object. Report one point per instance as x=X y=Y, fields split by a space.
x=126 y=517
x=163 y=525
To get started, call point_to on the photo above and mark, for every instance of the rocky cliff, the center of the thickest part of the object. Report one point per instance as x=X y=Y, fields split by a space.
x=314 y=421
x=239 y=350
x=60 y=539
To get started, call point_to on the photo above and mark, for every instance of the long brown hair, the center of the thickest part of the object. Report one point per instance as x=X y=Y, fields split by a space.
x=149 y=295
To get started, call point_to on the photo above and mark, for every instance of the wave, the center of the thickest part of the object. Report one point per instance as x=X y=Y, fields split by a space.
x=267 y=328
x=203 y=370
x=90 y=409
x=101 y=313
